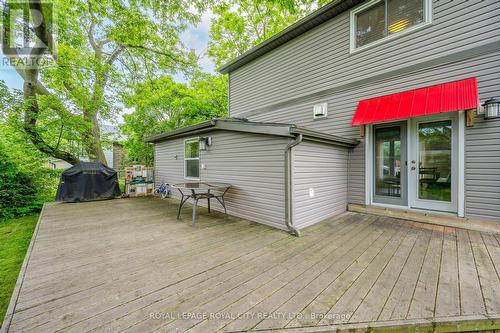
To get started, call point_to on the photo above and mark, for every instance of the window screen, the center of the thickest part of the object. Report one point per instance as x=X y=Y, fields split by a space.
x=192 y=158
x=370 y=24
x=387 y=17
x=402 y=14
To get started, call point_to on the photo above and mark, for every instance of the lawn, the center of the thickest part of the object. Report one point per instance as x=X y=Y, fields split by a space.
x=15 y=236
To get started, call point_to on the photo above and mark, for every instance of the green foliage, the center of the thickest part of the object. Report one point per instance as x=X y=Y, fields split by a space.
x=163 y=105
x=15 y=235
x=25 y=184
x=101 y=47
x=24 y=188
x=240 y=24
x=17 y=191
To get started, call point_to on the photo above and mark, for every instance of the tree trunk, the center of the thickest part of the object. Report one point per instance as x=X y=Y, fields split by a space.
x=30 y=120
x=93 y=139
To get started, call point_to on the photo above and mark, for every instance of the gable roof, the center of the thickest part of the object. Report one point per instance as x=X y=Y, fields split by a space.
x=243 y=125
x=303 y=25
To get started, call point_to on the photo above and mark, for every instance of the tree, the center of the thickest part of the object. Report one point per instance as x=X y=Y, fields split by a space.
x=102 y=46
x=240 y=24
x=25 y=184
x=163 y=105
x=17 y=192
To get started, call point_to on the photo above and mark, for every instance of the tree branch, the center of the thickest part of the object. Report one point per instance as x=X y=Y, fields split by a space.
x=90 y=32
x=29 y=126
x=115 y=54
x=31 y=89
x=168 y=55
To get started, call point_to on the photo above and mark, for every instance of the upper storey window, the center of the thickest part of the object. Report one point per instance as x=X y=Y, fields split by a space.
x=379 y=20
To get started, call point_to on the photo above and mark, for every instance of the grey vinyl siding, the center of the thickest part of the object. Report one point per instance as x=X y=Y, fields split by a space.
x=356 y=174
x=320 y=59
x=323 y=168
x=342 y=105
x=463 y=41
x=253 y=164
x=482 y=167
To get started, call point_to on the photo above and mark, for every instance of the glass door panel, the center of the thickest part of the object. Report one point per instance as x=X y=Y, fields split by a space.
x=435 y=160
x=434 y=163
x=390 y=164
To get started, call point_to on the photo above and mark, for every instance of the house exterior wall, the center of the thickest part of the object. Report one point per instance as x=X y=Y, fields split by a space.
x=320 y=59
x=253 y=164
x=322 y=168
x=482 y=167
x=283 y=86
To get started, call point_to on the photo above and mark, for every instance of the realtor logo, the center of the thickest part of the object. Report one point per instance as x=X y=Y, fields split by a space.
x=27 y=28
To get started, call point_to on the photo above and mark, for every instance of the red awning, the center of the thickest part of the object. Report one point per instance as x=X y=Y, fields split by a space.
x=447 y=97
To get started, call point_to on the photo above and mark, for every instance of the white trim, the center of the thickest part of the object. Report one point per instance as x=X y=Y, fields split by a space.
x=460 y=161
x=411 y=209
x=352 y=27
x=368 y=164
x=461 y=165
x=414 y=200
x=191 y=158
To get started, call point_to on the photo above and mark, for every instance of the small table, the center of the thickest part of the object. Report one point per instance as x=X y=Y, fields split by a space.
x=201 y=190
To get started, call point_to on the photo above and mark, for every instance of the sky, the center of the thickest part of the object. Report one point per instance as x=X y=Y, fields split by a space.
x=195 y=37
x=10 y=76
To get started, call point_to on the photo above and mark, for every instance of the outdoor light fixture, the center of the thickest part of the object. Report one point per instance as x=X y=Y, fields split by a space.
x=492 y=108
x=205 y=142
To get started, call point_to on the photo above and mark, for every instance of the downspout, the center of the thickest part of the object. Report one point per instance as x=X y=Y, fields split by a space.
x=288 y=186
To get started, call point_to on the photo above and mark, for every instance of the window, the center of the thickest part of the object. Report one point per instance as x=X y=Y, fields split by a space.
x=192 y=158
x=383 y=19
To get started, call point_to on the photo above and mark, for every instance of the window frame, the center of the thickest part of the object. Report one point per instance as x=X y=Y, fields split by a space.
x=197 y=139
x=352 y=40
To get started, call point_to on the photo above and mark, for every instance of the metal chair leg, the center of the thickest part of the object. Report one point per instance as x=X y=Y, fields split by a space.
x=222 y=202
x=194 y=211
x=183 y=201
x=224 y=205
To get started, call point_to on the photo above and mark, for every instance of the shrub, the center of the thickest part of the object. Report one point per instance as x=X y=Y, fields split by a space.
x=18 y=194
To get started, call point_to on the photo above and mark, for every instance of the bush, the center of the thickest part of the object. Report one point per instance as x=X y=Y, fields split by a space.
x=23 y=192
x=17 y=190
x=46 y=182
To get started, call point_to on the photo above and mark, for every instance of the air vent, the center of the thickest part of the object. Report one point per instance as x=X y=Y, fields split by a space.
x=320 y=110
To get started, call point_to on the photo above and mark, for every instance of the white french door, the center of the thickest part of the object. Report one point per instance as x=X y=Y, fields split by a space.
x=415 y=163
x=433 y=162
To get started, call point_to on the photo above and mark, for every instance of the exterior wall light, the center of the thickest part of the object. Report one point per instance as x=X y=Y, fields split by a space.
x=492 y=108
x=205 y=142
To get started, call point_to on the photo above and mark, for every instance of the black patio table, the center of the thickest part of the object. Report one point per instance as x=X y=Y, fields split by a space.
x=201 y=190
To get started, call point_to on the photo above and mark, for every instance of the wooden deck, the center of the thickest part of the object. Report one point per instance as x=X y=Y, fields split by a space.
x=128 y=265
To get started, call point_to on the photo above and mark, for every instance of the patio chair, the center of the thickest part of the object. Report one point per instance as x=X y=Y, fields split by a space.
x=428 y=176
x=444 y=181
x=219 y=196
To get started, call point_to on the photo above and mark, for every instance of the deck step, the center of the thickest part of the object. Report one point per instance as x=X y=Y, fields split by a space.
x=447 y=220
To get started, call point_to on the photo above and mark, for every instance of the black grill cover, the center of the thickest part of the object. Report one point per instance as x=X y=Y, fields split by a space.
x=88 y=181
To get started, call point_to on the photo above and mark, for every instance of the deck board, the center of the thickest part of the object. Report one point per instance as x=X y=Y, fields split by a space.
x=471 y=296
x=129 y=265
x=398 y=303
x=448 y=293
x=329 y=296
x=488 y=278
x=423 y=301
x=354 y=296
